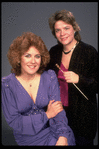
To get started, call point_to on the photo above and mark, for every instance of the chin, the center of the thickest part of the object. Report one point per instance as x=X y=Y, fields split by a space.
x=31 y=72
x=66 y=43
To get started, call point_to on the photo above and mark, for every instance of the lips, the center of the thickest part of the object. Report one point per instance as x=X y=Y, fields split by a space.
x=31 y=66
x=63 y=39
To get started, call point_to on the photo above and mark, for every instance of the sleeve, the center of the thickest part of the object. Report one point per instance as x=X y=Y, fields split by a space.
x=90 y=79
x=59 y=124
x=52 y=59
x=29 y=125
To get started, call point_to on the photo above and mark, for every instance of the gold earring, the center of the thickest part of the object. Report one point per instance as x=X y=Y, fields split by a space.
x=18 y=62
x=74 y=33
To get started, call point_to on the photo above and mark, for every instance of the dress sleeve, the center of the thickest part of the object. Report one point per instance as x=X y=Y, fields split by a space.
x=29 y=125
x=59 y=124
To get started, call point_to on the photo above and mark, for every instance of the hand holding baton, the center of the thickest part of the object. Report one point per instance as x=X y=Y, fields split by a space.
x=73 y=83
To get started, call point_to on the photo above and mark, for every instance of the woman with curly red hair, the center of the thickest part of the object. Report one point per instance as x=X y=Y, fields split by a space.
x=31 y=98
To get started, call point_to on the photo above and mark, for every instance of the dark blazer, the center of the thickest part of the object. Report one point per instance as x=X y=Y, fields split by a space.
x=82 y=113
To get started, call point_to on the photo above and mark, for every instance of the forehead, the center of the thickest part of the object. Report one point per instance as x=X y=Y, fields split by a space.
x=32 y=50
x=61 y=24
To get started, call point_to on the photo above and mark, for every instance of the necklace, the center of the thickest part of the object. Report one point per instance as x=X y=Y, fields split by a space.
x=71 y=49
x=31 y=83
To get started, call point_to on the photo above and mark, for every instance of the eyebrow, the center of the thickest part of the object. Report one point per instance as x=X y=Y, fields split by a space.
x=30 y=53
x=27 y=54
x=63 y=27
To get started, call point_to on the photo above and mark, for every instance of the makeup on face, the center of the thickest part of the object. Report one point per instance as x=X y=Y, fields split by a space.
x=64 y=32
x=30 y=61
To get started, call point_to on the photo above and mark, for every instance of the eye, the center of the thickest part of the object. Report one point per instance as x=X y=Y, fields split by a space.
x=28 y=55
x=57 y=30
x=66 y=28
x=38 y=56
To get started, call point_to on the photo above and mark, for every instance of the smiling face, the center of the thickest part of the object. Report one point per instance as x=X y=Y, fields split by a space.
x=64 y=32
x=30 y=61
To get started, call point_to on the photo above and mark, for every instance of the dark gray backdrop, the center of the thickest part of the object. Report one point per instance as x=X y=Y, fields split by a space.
x=19 y=17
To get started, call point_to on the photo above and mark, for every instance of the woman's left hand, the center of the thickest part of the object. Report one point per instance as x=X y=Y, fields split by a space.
x=71 y=77
x=62 y=141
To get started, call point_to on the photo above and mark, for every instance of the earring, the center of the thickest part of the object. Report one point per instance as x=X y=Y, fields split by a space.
x=18 y=62
x=74 y=33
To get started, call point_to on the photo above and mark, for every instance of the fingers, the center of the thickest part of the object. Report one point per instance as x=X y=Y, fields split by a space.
x=71 y=77
x=57 y=103
x=54 y=102
x=51 y=101
x=54 y=107
x=67 y=75
x=59 y=109
x=57 y=106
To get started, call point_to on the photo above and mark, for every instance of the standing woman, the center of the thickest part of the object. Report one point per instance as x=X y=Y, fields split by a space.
x=78 y=61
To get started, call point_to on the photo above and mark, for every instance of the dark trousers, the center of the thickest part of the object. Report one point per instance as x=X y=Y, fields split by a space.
x=80 y=141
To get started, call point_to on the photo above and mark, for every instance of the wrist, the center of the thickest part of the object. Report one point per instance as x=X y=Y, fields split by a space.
x=48 y=116
x=78 y=79
x=62 y=141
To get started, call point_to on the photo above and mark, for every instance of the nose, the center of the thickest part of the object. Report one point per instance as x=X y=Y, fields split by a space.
x=62 y=32
x=33 y=59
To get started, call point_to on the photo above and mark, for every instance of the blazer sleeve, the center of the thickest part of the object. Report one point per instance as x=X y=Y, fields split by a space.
x=89 y=78
x=29 y=125
x=59 y=124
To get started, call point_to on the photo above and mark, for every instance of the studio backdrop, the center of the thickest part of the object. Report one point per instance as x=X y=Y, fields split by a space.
x=19 y=17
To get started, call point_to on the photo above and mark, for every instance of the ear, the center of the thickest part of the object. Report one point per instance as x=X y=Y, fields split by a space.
x=18 y=62
x=74 y=33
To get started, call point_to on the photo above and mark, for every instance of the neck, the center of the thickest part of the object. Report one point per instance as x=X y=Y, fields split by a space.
x=69 y=46
x=27 y=78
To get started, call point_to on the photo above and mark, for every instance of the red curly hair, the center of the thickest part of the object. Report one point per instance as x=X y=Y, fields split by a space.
x=21 y=45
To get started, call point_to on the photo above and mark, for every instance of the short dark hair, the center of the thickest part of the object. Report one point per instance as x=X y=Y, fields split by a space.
x=21 y=45
x=67 y=17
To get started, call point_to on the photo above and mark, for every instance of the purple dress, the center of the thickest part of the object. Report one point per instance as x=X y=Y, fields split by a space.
x=28 y=120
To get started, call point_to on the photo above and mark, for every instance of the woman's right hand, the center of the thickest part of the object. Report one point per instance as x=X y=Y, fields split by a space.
x=54 y=107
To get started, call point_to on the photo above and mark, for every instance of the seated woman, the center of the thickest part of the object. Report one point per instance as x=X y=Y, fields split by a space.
x=31 y=98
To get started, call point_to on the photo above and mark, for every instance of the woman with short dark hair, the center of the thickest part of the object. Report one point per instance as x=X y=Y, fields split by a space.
x=78 y=64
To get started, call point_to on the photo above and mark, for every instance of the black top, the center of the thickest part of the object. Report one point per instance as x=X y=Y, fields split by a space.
x=82 y=113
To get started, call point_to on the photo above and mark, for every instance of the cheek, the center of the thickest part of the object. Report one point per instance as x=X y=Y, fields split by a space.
x=71 y=33
x=38 y=61
x=23 y=61
x=57 y=35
